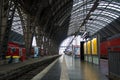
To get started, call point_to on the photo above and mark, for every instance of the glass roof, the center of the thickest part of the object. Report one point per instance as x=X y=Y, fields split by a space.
x=106 y=12
x=16 y=25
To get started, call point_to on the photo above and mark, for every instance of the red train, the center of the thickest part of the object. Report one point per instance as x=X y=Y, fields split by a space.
x=112 y=44
x=15 y=51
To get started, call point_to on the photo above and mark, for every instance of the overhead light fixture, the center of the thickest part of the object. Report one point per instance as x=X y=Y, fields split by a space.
x=90 y=18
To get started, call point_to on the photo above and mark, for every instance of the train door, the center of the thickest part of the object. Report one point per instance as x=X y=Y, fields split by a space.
x=36 y=51
x=15 y=54
x=22 y=54
x=82 y=50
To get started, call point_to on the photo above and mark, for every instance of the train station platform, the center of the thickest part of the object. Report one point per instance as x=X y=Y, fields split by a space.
x=62 y=68
x=69 y=68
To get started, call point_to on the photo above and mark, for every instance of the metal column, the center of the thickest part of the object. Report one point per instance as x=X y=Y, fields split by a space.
x=28 y=35
x=8 y=22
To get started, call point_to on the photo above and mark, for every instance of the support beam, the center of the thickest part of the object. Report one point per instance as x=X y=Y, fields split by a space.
x=39 y=40
x=42 y=45
x=46 y=44
x=7 y=24
x=50 y=47
x=1 y=8
x=28 y=36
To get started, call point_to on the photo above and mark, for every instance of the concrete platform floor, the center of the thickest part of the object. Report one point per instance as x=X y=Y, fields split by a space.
x=69 y=68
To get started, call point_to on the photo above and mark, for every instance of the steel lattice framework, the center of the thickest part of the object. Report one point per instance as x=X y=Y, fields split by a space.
x=51 y=21
x=99 y=21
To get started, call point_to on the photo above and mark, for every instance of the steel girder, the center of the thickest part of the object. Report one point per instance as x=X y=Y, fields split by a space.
x=1 y=9
x=98 y=8
x=102 y=16
x=109 y=10
x=113 y=26
x=96 y=3
x=29 y=29
x=48 y=13
x=91 y=3
x=3 y=25
x=58 y=21
x=1 y=15
x=11 y=10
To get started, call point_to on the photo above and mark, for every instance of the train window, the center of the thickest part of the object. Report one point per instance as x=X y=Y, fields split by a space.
x=13 y=49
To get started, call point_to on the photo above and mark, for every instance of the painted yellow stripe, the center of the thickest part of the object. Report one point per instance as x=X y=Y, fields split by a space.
x=7 y=56
x=16 y=56
x=13 y=56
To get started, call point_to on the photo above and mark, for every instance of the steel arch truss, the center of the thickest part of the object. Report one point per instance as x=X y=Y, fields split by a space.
x=106 y=12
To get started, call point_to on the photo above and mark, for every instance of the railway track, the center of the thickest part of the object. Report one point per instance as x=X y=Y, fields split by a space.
x=27 y=72
x=30 y=74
